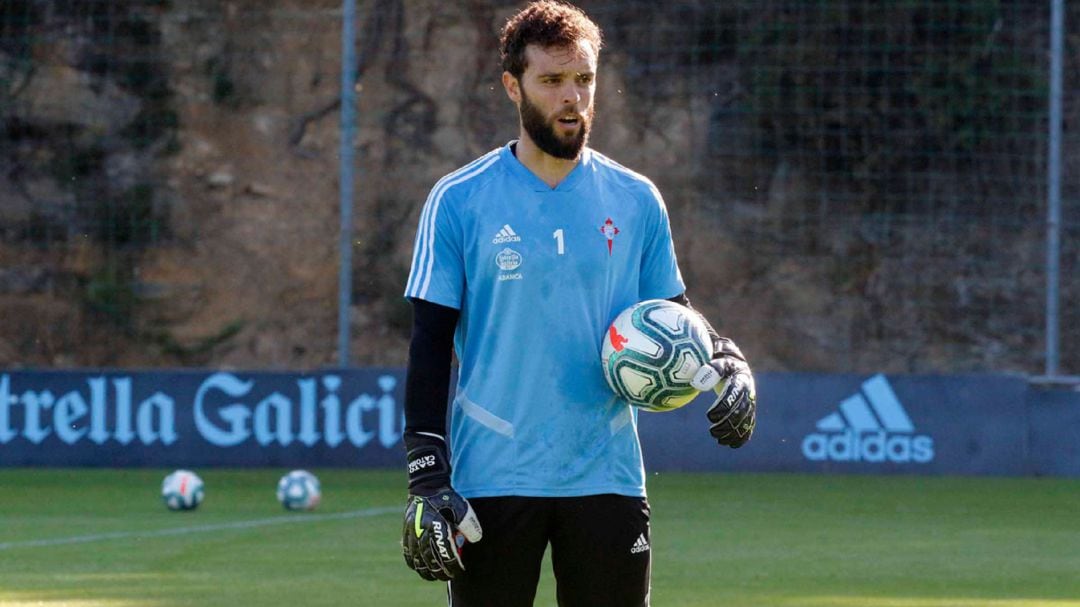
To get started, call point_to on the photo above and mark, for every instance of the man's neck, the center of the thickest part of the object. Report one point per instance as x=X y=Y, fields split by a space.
x=549 y=169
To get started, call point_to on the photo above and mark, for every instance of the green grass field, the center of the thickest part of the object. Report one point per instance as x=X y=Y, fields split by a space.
x=102 y=538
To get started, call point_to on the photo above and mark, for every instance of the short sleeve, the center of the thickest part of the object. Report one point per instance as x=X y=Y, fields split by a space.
x=660 y=275
x=437 y=273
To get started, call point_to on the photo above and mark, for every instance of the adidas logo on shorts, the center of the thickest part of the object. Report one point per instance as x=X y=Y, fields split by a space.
x=641 y=545
x=506 y=234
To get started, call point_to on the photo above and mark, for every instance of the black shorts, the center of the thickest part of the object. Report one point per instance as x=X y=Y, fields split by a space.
x=599 y=551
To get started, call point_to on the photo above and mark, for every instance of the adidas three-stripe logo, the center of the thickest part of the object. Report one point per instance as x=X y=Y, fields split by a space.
x=506 y=234
x=640 y=545
x=871 y=426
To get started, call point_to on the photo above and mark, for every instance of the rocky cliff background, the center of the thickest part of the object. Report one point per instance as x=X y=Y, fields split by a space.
x=850 y=189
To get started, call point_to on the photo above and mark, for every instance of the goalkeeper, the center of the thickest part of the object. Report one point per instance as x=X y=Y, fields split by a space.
x=521 y=259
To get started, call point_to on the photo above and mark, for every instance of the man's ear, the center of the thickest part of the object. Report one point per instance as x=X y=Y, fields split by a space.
x=512 y=86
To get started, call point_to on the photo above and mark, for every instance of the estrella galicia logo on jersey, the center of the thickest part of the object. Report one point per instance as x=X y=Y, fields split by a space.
x=508 y=260
x=871 y=426
x=505 y=235
x=609 y=231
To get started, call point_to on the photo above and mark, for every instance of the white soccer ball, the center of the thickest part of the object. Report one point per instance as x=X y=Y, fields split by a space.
x=651 y=352
x=182 y=490
x=299 y=490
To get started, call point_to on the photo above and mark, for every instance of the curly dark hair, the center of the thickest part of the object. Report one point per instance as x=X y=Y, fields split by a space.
x=545 y=23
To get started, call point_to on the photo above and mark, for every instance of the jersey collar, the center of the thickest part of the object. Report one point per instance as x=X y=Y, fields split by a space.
x=535 y=183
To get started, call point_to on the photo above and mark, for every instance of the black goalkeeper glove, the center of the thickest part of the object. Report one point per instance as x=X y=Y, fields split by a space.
x=438 y=521
x=734 y=413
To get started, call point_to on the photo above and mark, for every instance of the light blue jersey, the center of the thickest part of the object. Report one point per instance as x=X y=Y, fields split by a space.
x=538 y=275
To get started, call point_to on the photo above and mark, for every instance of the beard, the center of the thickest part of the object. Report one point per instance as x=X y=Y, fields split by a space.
x=542 y=131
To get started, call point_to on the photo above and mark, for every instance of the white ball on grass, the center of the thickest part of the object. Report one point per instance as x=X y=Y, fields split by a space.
x=182 y=490
x=299 y=490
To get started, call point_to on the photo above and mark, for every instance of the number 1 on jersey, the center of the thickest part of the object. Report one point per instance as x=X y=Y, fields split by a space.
x=560 y=247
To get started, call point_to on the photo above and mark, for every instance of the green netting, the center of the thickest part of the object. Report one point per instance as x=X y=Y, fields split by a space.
x=854 y=185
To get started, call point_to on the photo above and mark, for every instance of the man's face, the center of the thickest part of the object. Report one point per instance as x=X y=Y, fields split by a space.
x=556 y=98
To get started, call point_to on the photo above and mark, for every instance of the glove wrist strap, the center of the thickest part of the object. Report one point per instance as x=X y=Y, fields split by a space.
x=723 y=346
x=428 y=462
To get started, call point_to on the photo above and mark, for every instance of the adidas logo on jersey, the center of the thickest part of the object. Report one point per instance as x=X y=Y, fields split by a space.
x=641 y=545
x=873 y=428
x=506 y=234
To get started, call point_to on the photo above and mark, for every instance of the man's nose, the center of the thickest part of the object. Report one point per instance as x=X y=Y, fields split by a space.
x=571 y=94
